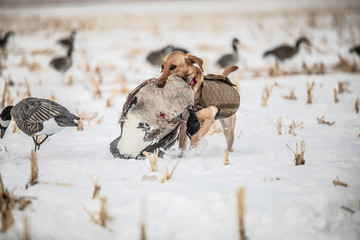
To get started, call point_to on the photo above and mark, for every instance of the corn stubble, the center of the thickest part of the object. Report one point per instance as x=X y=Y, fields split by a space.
x=299 y=155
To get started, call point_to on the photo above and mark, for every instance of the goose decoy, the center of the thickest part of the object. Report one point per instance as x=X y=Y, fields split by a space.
x=152 y=117
x=355 y=49
x=155 y=57
x=285 y=51
x=68 y=41
x=5 y=38
x=62 y=64
x=230 y=59
x=36 y=116
x=5 y=119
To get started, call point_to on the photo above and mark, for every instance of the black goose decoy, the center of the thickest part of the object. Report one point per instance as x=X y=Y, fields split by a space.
x=285 y=51
x=68 y=41
x=36 y=116
x=355 y=49
x=62 y=64
x=230 y=59
x=5 y=38
x=155 y=57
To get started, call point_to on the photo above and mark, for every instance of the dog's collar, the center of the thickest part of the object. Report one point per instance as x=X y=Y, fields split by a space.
x=193 y=81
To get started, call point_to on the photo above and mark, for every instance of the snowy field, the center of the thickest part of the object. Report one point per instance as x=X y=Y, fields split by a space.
x=199 y=201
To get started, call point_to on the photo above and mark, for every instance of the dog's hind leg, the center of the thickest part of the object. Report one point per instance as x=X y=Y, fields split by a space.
x=228 y=126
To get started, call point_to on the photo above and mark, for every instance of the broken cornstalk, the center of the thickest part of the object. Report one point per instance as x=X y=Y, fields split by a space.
x=241 y=210
x=337 y=182
x=153 y=159
x=34 y=169
x=299 y=155
x=322 y=121
x=310 y=88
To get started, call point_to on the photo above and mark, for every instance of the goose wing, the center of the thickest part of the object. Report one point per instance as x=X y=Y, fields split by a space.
x=31 y=113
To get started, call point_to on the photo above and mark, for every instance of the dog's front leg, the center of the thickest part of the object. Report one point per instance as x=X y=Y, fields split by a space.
x=207 y=118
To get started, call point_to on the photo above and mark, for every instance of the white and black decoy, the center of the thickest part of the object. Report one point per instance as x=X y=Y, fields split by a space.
x=355 y=49
x=68 y=41
x=285 y=51
x=37 y=116
x=5 y=119
x=155 y=57
x=62 y=64
x=230 y=59
x=153 y=117
x=5 y=38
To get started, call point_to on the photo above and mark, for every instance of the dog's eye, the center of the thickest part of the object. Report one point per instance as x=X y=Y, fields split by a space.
x=172 y=67
x=162 y=66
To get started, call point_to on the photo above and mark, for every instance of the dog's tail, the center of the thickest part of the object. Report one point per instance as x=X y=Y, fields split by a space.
x=229 y=70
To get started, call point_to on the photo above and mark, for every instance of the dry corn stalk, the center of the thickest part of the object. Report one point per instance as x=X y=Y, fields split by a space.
x=89 y=117
x=96 y=188
x=15 y=128
x=275 y=71
x=110 y=101
x=153 y=159
x=266 y=94
x=27 y=92
x=346 y=65
x=122 y=80
x=69 y=80
x=337 y=182
x=226 y=157
x=52 y=97
x=143 y=221
x=357 y=103
x=102 y=216
x=6 y=207
x=348 y=209
x=98 y=72
x=336 y=99
x=99 y=120
x=26 y=229
x=322 y=121
x=293 y=126
x=166 y=174
x=343 y=86
x=34 y=176
x=291 y=95
x=309 y=88
x=299 y=155
x=96 y=85
x=241 y=210
x=279 y=124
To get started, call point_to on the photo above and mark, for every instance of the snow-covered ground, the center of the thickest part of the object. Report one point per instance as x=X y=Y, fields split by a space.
x=282 y=201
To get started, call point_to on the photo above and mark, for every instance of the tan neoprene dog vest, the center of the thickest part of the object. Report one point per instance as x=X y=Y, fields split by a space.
x=218 y=91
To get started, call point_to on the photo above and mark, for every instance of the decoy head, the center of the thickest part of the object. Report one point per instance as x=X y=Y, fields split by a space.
x=303 y=40
x=168 y=49
x=235 y=42
x=5 y=118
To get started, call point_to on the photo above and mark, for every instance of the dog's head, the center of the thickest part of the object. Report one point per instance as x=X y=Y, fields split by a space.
x=181 y=64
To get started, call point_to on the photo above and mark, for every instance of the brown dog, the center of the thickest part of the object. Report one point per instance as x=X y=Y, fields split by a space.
x=183 y=65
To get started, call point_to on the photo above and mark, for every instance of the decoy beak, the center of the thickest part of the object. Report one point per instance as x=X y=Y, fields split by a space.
x=3 y=130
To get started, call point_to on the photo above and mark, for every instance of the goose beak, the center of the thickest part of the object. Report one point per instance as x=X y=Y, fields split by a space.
x=3 y=130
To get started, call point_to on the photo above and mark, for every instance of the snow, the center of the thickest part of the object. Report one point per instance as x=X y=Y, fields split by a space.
x=282 y=201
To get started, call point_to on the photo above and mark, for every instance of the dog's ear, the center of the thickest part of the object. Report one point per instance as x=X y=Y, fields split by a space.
x=194 y=59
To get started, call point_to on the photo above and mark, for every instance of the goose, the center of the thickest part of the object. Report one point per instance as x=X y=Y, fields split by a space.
x=230 y=59
x=62 y=64
x=355 y=49
x=36 y=116
x=153 y=117
x=285 y=51
x=5 y=38
x=155 y=57
x=68 y=41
